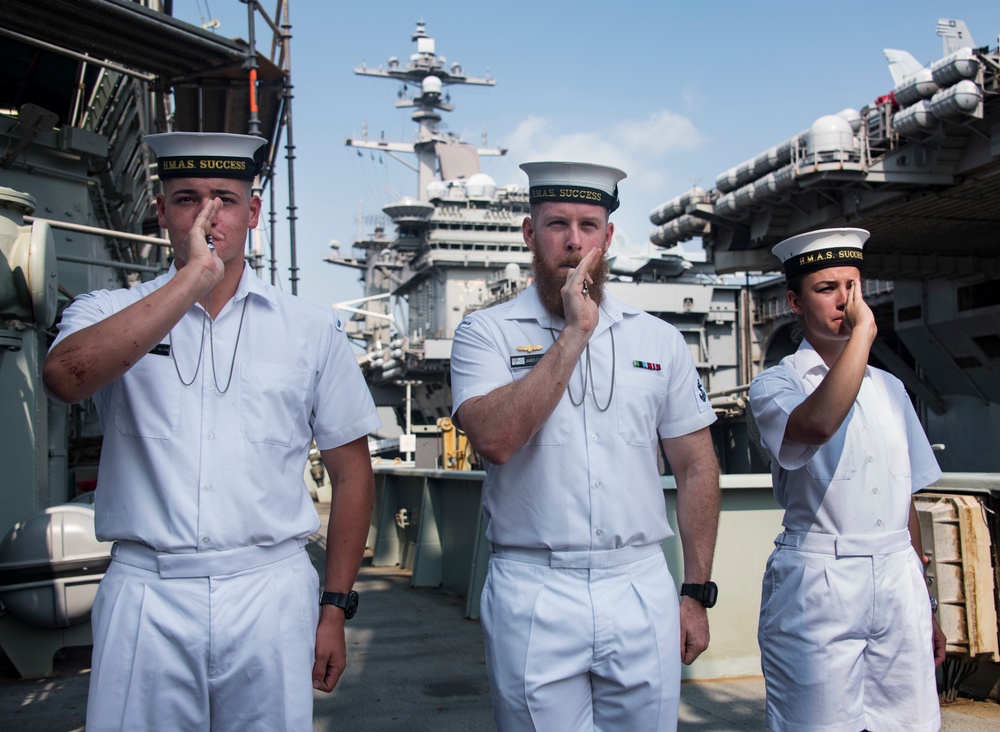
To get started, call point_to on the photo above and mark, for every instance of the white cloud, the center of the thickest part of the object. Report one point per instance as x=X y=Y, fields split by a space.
x=659 y=134
x=641 y=147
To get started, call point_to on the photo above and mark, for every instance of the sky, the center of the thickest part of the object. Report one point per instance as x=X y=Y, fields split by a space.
x=674 y=93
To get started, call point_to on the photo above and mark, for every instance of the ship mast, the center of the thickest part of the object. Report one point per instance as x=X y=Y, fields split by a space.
x=426 y=71
x=453 y=239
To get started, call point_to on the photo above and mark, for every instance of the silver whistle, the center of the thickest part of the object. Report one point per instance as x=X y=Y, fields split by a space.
x=211 y=243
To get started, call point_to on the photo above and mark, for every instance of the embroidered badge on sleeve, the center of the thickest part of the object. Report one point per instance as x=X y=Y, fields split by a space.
x=703 y=403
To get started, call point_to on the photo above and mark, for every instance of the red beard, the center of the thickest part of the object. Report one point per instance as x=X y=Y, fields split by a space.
x=549 y=281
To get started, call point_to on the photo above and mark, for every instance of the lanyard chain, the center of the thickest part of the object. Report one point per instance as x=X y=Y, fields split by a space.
x=589 y=376
x=211 y=339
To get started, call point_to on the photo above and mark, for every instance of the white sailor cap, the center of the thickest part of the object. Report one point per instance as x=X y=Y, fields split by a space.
x=207 y=154
x=821 y=249
x=573 y=182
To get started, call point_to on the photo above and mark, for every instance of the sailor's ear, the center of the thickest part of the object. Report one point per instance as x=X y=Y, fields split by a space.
x=161 y=212
x=528 y=232
x=255 y=204
x=793 y=302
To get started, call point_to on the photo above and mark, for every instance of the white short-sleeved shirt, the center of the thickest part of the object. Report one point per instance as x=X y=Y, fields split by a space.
x=187 y=468
x=860 y=481
x=587 y=480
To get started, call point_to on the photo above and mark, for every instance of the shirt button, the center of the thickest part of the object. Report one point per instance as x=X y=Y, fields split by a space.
x=864 y=429
x=211 y=435
x=211 y=387
x=207 y=487
x=594 y=438
x=597 y=484
x=874 y=490
x=870 y=459
x=879 y=522
x=598 y=532
x=204 y=540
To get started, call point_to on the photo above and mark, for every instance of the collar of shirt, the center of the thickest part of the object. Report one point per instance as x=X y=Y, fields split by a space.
x=249 y=284
x=529 y=307
x=806 y=362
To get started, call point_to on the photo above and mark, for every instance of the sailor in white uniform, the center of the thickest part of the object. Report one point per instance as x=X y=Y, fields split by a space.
x=847 y=636
x=566 y=394
x=210 y=386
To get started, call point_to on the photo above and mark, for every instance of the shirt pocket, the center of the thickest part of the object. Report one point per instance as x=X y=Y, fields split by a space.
x=555 y=430
x=273 y=403
x=639 y=398
x=897 y=450
x=146 y=401
x=836 y=460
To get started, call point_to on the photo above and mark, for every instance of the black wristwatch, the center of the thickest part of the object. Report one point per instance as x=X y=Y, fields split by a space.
x=348 y=602
x=706 y=594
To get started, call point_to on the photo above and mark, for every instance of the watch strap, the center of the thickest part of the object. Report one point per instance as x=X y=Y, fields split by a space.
x=346 y=601
x=706 y=593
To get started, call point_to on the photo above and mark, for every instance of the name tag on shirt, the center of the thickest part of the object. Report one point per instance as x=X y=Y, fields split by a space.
x=163 y=349
x=525 y=362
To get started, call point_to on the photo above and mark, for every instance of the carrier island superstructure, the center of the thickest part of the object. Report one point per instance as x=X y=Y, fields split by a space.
x=457 y=246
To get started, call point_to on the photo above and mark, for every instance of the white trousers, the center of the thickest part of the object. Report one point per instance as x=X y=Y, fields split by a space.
x=845 y=637
x=225 y=652
x=575 y=648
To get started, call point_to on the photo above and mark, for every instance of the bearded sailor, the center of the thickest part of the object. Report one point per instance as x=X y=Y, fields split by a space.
x=580 y=614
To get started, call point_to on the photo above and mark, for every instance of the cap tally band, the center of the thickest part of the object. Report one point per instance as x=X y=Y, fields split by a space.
x=573 y=194
x=806 y=262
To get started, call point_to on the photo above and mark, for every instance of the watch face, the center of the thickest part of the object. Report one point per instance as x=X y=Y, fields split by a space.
x=352 y=605
x=710 y=594
x=706 y=594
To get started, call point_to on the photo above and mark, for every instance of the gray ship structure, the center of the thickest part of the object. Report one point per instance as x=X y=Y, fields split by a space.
x=919 y=167
x=458 y=247
x=81 y=83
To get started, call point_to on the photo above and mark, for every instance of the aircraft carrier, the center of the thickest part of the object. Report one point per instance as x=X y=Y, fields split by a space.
x=455 y=245
x=919 y=167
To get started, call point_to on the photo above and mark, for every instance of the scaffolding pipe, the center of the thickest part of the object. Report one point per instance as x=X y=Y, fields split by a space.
x=253 y=124
x=274 y=222
x=273 y=214
x=73 y=54
x=111 y=233
x=289 y=147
